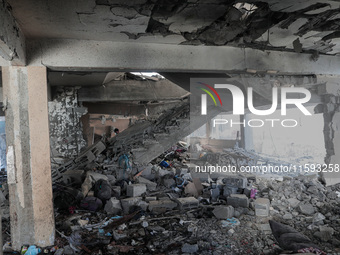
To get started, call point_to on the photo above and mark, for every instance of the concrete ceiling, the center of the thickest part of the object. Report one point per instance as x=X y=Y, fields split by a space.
x=300 y=26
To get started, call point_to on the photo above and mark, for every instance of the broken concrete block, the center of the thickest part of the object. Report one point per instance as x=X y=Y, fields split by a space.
x=113 y=206
x=287 y=216
x=116 y=191
x=264 y=227
x=238 y=200
x=306 y=208
x=112 y=179
x=189 y=248
x=185 y=203
x=127 y=203
x=235 y=181
x=318 y=218
x=90 y=179
x=148 y=199
x=228 y=190
x=152 y=186
x=143 y=205
x=325 y=233
x=293 y=202
x=262 y=207
x=198 y=185
x=190 y=189
x=135 y=190
x=147 y=172
x=161 y=206
x=168 y=182
x=224 y=212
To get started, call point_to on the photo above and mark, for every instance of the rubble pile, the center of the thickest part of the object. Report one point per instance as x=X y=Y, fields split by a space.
x=164 y=209
x=106 y=202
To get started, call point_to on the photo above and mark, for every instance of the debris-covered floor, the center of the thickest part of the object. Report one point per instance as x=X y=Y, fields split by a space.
x=114 y=207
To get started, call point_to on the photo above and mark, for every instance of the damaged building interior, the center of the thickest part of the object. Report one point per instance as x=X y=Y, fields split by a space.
x=109 y=146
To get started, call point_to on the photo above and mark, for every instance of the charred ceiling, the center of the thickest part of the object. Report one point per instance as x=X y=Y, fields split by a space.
x=301 y=26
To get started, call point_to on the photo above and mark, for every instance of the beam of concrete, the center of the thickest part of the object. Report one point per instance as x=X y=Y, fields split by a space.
x=129 y=109
x=12 y=40
x=131 y=90
x=28 y=156
x=87 y=55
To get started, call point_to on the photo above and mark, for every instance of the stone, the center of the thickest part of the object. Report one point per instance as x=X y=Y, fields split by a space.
x=190 y=189
x=262 y=207
x=113 y=206
x=293 y=202
x=185 y=203
x=168 y=182
x=231 y=231
x=306 y=208
x=264 y=227
x=327 y=233
x=189 y=248
x=152 y=186
x=116 y=191
x=318 y=217
x=112 y=179
x=127 y=203
x=147 y=172
x=238 y=200
x=161 y=206
x=287 y=216
x=135 y=190
x=224 y=212
x=198 y=185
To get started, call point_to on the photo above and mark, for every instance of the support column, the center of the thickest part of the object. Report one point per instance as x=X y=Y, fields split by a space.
x=331 y=113
x=28 y=156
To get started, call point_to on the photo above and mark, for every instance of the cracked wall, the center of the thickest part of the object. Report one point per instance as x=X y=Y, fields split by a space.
x=66 y=133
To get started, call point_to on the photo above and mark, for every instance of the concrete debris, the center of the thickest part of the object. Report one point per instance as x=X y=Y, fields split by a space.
x=162 y=206
x=187 y=203
x=234 y=223
x=166 y=206
x=306 y=208
x=113 y=206
x=223 y=212
x=238 y=200
x=135 y=190
x=188 y=248
x=262 y=207
x=149 y=184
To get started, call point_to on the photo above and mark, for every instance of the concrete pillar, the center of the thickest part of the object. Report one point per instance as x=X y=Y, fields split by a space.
x=28 y=156
x=331 y=114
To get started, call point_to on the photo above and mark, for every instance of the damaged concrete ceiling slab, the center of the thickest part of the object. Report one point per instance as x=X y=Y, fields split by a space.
x=302 y=26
